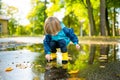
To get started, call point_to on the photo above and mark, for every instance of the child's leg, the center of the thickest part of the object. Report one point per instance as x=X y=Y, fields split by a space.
x=52 y=62
x=53 y=50
x=63 y=47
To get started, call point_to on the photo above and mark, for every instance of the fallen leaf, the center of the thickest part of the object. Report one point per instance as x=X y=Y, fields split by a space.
x=73 y=71
x=118 y=75
x=102 y=66
x=8 y=69
x=75 y=79
x=36 y=78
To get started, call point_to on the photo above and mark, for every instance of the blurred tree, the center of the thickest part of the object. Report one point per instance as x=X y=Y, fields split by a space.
x=103 y=17
x=28 y=29
x=0 y=7
x=113 y=7
x=71 y=18
x=36 y=16
x=71 y=21
x=56 y=5
x=19 y=30
x=10 y=11
x=12 y=26
x=91 y=18
x=75 y=12
x=45 y=5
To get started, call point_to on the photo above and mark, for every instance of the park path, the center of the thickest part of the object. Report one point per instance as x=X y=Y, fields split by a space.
x=23 y=39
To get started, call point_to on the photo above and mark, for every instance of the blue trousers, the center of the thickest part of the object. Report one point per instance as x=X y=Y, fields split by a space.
x=58 y=44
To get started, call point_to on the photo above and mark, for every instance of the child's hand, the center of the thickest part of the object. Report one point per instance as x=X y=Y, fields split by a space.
x=77 y=46
x=48 y=57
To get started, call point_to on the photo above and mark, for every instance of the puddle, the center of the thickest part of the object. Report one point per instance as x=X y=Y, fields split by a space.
x=21 y=61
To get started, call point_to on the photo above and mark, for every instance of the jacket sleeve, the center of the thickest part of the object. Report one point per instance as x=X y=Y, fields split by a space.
x=70 y=33
x=46 y=43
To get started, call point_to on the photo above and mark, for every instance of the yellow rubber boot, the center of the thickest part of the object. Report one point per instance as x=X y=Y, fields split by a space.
x=65 y=58
x=65 y=65
x=53 y=56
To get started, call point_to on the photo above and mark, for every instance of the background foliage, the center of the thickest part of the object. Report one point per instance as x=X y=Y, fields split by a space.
x=82 y=15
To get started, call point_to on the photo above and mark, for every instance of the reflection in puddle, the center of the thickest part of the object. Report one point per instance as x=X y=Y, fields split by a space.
x=118 y=50
x=56 y=73
x=27 y=62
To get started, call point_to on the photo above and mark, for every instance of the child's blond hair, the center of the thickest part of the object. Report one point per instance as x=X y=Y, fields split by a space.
x=52 y=25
